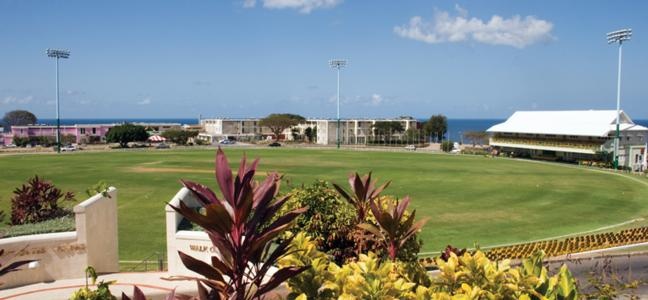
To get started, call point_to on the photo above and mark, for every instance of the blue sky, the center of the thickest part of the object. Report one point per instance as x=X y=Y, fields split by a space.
x=244 y=58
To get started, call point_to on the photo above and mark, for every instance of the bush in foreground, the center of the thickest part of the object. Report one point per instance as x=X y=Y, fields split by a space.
x=241 y=225
x=38 y=201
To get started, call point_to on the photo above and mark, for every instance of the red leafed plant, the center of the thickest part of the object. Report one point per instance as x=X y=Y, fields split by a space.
x=37 y=201
x=445 y=255
x=364 y=191
x=394 y=227
x=241 y=225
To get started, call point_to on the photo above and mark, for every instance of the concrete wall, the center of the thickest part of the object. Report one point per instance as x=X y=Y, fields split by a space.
x=194 y=243
x=65 y=255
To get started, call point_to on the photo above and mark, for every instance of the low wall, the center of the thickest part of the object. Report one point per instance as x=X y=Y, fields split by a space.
x=65 y=255
x=194 y=243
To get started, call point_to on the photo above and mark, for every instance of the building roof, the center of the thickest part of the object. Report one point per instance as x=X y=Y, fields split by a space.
x=568 y=122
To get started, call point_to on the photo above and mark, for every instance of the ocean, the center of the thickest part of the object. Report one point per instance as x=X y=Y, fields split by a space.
x=455 y=126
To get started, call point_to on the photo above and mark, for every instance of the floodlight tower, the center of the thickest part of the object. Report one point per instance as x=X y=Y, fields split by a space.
x=58 y=53
x=619 y=37
x=338 y=64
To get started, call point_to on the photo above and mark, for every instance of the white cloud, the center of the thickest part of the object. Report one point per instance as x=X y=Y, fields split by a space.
x=516 y=31
x=303 y=6
x=145 y=101
x=74 y=93
x=17 y=100
x=376 y=100
x=249 y=3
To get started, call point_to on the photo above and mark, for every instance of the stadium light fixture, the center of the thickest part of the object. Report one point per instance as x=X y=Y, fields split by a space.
x=338 y=64
x=58 y=53
x=618 y=37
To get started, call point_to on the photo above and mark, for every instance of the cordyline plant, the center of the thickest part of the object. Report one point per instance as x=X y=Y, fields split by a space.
x=445 y=255
x=37 y=201
x=394 y=227
x=364 y=191
x=240 y=226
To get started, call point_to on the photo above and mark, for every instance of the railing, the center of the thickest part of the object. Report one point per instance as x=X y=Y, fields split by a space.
x=154 y=262
x=550 y=143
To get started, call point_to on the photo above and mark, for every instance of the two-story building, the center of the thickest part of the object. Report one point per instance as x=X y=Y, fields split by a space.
x=571 y=136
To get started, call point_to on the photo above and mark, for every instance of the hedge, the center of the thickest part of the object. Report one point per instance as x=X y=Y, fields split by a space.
x=54 y=225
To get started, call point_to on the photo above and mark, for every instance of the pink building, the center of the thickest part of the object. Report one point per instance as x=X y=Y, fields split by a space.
x=84 y=133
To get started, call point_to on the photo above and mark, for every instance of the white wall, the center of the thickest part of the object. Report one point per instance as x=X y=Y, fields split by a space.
x=65 y=255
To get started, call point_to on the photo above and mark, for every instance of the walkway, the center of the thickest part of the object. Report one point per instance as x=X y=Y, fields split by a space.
x=149 y=282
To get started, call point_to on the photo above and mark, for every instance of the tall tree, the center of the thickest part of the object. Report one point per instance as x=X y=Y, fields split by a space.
x=436 y=126
x=179 y=136
x=308 y=132
x=384 y=129
x=124 y=134
x=279 y=122
x=18 y=118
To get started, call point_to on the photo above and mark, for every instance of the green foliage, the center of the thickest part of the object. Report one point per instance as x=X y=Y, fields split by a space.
x=476 y=276
x=279 y=122
x=61 y=224
x=310 y=133
x=100 y=187
x=387 y=129
x=124 y=134
x=447 y=146
x=308 y=283
x=101 y=293
x=179 y=136
x=21 y=141
x=329 y=219
x=436 y=126
x=18 y=118
x=37 y=201
x=366 y=278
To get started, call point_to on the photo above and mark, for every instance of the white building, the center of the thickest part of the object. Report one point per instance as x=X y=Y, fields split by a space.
x=571 y=136
x=352 y=131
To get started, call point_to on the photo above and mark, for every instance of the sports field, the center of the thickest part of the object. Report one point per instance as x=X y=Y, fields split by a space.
x=468 y=198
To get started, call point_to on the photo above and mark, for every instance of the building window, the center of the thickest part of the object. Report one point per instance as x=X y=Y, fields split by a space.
x=82 y=130
x=94 y=130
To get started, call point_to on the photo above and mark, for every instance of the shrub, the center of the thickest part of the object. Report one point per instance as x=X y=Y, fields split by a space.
x=242 y=227
x=179 y=136
x=20 y=141
x=37 y=201
x=329 y=220
x=447 y=146
x=470 y=276
x=474 y=274
x=61 y=224
x=101 y=293
x=124 y=134
x=446 y=254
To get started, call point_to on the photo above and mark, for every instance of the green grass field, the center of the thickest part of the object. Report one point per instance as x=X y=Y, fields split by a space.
x=468 y=198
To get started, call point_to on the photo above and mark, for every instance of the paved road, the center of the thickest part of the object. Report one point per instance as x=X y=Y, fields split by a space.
x=628 y=268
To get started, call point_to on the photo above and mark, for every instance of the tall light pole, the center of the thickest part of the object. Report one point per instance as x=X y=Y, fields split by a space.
x=619 y=37
x=338 y=64
x=58 y=53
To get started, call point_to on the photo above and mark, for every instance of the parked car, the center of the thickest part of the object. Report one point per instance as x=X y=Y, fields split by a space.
x=226 y=142
x=162 y=146
x=68 y=148
x=275 y=144
x=410 y=148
